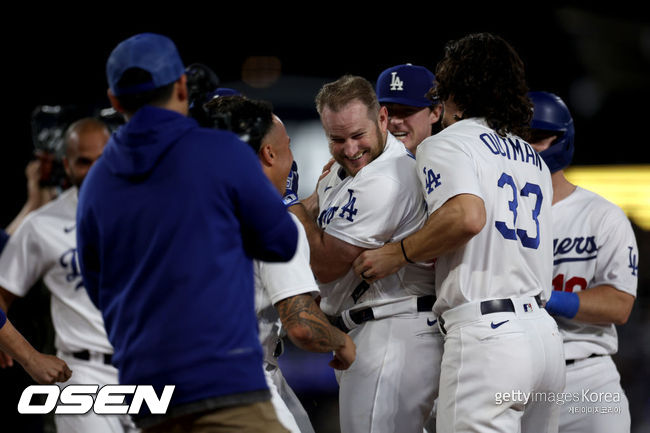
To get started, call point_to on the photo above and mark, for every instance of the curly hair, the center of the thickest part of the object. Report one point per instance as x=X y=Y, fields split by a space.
x=485 y=77
x=251 y=119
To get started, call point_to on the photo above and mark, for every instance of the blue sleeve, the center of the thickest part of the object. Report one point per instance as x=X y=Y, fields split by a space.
x=4 y=237
x=269 y=232
x=3 y=318
x=86 y=251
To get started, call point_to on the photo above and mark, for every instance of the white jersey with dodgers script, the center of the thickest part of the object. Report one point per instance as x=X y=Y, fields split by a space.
x=44 y=246
x=512 y=254
x=382 y=203
x=277 y=281
x=593 y=245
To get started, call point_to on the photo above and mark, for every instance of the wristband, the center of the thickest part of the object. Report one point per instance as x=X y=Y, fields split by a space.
x=564 y=304
x=3 y=318
x=404 y=252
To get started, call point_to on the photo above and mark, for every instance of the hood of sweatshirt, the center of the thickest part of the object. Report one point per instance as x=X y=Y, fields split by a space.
x=135 y=148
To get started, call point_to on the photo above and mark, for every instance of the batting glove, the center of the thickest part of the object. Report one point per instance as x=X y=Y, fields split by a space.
x=291 y=194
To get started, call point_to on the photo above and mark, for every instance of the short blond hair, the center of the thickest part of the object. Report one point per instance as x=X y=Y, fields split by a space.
x=339 y=93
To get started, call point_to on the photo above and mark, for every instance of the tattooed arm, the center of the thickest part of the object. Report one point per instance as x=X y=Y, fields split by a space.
x=309 y=329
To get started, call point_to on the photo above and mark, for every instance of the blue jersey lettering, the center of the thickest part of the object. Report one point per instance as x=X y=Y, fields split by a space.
x=349 y=207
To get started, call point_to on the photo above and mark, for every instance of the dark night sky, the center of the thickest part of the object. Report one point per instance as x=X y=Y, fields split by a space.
x=58 y=59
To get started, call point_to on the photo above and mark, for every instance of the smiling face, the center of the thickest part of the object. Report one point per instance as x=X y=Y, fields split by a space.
x=410 y=124
x=355 y=138
x=85 y=143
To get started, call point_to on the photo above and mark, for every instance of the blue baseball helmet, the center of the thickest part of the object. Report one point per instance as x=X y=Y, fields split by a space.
x=550 y=113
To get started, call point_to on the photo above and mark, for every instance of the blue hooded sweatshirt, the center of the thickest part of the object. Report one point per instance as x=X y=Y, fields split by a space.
x=168 y=222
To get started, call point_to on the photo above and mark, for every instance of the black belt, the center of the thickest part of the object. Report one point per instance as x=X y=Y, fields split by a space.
x=573 y=361
x=425 y=303
x=279 y=348
x=493 y=306
x=85 y=355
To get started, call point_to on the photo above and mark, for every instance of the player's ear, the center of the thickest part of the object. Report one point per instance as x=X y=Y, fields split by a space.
x=114 y=102
x=181 y=88
x=436 y=112
x=266 y=154
x=66 y=165
x=382 y=118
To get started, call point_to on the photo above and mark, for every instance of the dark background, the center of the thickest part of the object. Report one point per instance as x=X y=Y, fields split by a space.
x=597 y=59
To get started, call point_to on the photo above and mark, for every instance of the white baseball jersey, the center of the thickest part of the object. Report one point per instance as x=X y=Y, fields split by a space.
x=512 y=255
x=593 y=245
x=273 y=283
x=382 y=203
x=44 y=246
x=277 y=281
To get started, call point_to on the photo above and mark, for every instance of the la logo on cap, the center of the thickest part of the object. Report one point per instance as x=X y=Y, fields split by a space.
x=395 y=82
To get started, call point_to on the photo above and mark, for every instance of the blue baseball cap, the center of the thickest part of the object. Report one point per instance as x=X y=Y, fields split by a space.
x=224 y=91
x=151 y=52
x=405 y=84
x=218 y=93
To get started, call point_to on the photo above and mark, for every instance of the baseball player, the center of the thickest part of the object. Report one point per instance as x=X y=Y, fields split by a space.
x=284 y=292
x=43 y=368
x=371 y=196
x=489 y=226
x=412 y=116
x=43 y=246
x=595 y=259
